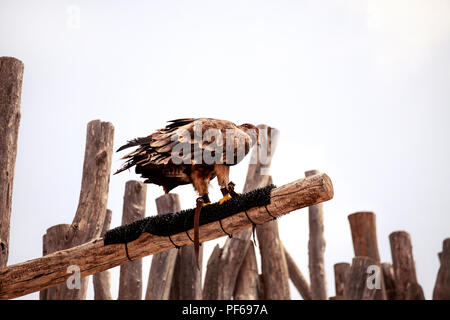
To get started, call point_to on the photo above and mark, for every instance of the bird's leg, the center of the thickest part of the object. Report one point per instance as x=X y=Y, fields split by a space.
x=231 y=186
x=222 y=172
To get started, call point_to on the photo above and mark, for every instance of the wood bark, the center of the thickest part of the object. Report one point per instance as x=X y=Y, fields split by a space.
x=93 y=257
x=389 y=280
x=442 y=286
x=364 y=235
x=247 y=281
x=186 y=278
x=403 y=262
x=210 y=288
x=316 y=249
x=297 y=277
x=357 y=287
x=163 y=264
x=102 y=280
x=257 y=176
x=53 y=241
x=130 y=283
x=11 y=75
x=273 y=262
x=341 y=274
x=90 y=215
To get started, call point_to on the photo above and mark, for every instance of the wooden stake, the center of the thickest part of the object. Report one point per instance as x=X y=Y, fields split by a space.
x=341 y=274
x=316 y=249
x=235 y=249
x=365 y=243
x=53 y=241
x=130 y=284
x=210 y=289
x=403 y=262
x=247 y=280
x=442 y=287
x=11 y=74
x=90 y=216
x=102 y=280
x=93 y=257
x=297 y=277
x=389 y=280
x=356 y=287
x=163 y=264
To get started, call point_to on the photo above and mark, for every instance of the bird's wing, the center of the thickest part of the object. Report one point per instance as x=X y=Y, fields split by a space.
x=189 y=141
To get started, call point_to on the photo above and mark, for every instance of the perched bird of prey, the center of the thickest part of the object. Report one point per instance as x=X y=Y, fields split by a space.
x=192 y=151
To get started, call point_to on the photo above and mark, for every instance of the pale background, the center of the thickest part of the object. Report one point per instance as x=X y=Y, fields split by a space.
x=358 y=89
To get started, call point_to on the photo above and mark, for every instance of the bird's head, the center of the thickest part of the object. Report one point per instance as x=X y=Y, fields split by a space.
x=252 y=131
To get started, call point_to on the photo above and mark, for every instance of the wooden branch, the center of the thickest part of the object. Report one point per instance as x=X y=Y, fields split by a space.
x=130 y=283
x=356 y=285
x=102 y=280
x=93 y=257
x=442 y=287
x=403 y=262
x=297 y=277
x=341 y=274
x=210 y=288
x=163 y=264
x=247 y=281
x=365 y=243
x=316 y=249
x=389 y=280
x=11 y=74
x=90 y=215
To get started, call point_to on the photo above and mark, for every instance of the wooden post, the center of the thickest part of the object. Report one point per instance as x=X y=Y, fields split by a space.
x=297 y=277
x=130 y=285
x=341 y=274
x=247 y=281
x=11 y=74
x=442 y=287
x=235 y=249
x=210 y=288
x=163 y=264
x=53 y=241
x=356 y=287
x=273 y=261
x=316 y=249
x=102 y=280
x=403 y=263
x=93 y=257
x=389 y=280
x=90 y=215
x=364 y=235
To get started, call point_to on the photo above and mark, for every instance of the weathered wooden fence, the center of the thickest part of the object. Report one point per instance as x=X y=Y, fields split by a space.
x=231 y=272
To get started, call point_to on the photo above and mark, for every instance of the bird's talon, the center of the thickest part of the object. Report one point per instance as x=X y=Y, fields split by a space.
x=225 y=198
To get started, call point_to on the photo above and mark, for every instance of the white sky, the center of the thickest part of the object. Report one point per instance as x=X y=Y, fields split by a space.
x=358 y=89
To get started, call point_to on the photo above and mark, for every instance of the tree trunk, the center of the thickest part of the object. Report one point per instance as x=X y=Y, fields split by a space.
x=211 y=289
x=389 y=280
x=11 y=74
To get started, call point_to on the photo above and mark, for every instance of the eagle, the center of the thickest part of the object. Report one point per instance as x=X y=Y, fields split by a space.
x=192 y=151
